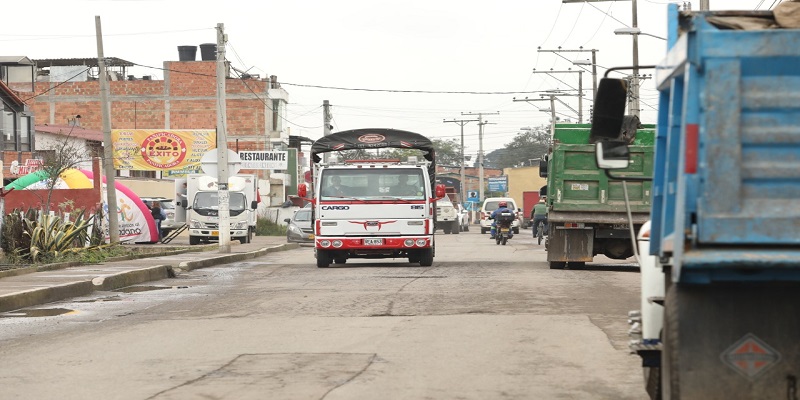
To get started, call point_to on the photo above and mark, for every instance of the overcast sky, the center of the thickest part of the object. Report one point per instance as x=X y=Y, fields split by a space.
x=416 y=45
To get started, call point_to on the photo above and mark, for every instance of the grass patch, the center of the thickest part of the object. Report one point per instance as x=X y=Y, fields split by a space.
x=265 y=227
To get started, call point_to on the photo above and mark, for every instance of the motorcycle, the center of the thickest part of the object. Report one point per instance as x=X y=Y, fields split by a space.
x=503 y=222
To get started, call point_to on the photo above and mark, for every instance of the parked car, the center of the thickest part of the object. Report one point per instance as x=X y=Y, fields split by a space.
x=168 y=205
x=493 y=203
x=299 y=229
x=447 y=216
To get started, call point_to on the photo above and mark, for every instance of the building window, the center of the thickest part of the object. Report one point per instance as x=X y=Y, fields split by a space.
x=142 y=174
x=9 y=139
x=25 y=134
x=276 y=107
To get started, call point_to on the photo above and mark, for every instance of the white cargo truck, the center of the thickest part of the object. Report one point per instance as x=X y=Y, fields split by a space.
x=374 y=208
x=202 y=207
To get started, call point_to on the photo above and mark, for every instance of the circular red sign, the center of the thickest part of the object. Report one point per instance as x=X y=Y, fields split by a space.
x=371 y=138
x=163 y=150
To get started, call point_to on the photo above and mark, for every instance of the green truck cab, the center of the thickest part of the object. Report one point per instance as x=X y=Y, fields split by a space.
x=587 y=214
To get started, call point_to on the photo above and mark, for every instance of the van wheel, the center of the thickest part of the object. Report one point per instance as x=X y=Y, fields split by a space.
x=455 y=228
x=323 y=259
x=193 y=240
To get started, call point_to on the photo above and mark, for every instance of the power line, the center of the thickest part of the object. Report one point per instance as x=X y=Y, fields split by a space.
x=607 y=13
x=404 y=91
x=61 y=83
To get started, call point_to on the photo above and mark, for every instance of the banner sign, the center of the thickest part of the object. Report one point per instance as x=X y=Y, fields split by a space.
x=176 y=152
x=264 y=159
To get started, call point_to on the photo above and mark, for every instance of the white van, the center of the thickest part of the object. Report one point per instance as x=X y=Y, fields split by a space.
x=493 y=203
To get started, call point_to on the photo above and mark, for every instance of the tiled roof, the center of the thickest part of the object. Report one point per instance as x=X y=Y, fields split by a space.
x=69 y=130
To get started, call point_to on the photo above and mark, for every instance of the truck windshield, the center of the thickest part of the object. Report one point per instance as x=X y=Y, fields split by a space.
x=210 y=201
x=372 y=184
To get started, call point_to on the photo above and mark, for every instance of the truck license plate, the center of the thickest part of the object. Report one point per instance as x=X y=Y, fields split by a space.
x=214 y=233
x=373 y=242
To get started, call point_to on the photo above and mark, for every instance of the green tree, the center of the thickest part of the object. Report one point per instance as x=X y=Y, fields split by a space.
x=527 y=145
x=448 y=152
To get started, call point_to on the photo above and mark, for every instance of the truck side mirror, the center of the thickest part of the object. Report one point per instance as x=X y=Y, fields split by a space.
x=440 y=191
x=612 y=154
x=301 y=190
x=543 y=168
x=254 y=204
x=287 y=220
x=609 y=109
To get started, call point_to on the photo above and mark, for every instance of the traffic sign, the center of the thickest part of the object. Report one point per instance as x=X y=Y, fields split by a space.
x=498 y=184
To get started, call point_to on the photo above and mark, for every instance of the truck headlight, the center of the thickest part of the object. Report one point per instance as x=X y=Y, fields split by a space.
x=196 y=224
x=240 y=225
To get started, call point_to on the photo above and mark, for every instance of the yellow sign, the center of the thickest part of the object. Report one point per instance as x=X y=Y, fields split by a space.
x=176 y=152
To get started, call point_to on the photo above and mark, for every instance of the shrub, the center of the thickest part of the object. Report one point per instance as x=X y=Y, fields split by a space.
x=265 y=227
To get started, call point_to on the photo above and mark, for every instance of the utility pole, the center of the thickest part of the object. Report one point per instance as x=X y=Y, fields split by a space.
x=462 y=122
x=580 y=88
x=326 y=123
x=222 y=146
x=108 y=145
x=580 y=64
x=481 y=123
x=635 y=107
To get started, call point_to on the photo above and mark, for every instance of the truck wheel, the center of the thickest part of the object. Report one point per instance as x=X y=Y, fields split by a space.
x=557 y=264
x=413 y=257
x=193 y=240
x=576 y=265
x=516 y=231
x=466 y=228
x=446 y=229
x=426 y=257
x=669 y=354
x=455 y=228
x=483 y=231
x=339 y=259
x=652 y=382
x=323 y=259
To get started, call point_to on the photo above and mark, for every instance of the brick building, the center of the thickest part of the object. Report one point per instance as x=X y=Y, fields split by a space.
x=184 y=99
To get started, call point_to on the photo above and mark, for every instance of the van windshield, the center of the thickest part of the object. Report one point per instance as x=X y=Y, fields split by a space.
x=372 y=184
x=210 y=201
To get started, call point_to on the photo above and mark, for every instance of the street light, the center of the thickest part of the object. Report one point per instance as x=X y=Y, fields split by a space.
x=633 y=31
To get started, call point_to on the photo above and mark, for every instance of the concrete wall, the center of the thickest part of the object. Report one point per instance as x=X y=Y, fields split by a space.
x=523 y=179
x=148 y=187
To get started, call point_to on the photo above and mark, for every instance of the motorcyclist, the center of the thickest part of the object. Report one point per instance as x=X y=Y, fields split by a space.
x=502 y=206
x=539 y=213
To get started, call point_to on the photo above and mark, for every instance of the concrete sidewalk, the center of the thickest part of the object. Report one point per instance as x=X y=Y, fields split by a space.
x=32 y=286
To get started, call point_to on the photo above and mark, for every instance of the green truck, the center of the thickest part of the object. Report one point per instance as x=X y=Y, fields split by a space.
x=586 y=209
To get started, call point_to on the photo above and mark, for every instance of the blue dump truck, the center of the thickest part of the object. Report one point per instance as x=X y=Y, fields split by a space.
x=725 y=205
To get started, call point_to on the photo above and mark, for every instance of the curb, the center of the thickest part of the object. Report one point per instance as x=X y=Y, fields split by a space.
x=33 y=297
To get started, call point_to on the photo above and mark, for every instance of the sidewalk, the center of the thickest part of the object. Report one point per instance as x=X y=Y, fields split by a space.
x=32 y=286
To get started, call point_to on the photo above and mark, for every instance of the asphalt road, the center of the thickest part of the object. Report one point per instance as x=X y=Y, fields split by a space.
x=484 y=322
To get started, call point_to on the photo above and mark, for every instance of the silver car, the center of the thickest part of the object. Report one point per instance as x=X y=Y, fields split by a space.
x=299 y=229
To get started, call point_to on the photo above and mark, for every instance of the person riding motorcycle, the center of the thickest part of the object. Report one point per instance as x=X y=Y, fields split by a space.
x=539 y=213
x=502 y=206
